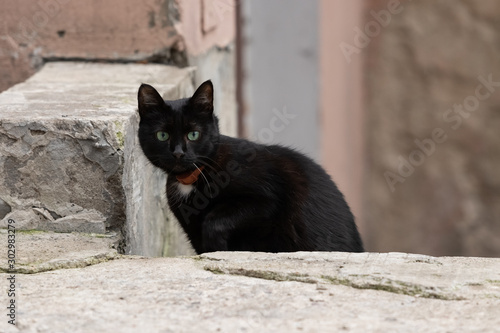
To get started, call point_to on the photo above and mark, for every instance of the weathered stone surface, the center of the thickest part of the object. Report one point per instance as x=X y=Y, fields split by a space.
x=69 y=155
x=261 y=292
x=408 y=274
x=39 y=251
x=4 y=209
x=423 y=73
x=89 y=221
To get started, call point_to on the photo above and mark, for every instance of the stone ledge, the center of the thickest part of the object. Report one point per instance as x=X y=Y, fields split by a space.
x=39 y=251
x=255 y=292
x=70 y=159
x=443 y=278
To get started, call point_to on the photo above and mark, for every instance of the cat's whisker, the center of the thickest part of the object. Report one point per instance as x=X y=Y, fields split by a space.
x=210 y=160
x=206 y=180
x=177 y=202
x=208 y=165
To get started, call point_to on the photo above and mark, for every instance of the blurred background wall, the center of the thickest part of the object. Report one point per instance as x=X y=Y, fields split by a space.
x=398 y=100
x=405 y=112
x=426 y=79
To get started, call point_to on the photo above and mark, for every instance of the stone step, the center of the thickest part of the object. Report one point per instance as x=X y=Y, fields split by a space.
x=40 y=251
x=263 y=292
x=69 y=156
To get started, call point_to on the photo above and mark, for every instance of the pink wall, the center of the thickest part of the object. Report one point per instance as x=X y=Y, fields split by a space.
x=124 y=30
x=341 y=101
x=206 y=23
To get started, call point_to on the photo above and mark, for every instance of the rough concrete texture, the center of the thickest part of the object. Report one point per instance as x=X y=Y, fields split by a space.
x=69 y=155
x=261 y=292
x=421 y=69
x=39 y=251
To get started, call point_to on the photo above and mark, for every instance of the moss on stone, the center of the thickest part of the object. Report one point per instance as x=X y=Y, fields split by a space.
x=30 y=231
x=397 y=287
x=121 y=139
x=493 y=281
x=119 y=134
x=39 y=267
x=266 y=275
x=214 y=270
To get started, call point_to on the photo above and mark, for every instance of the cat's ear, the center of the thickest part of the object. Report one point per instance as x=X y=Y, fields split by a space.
x=203 y=98
x=149 y=100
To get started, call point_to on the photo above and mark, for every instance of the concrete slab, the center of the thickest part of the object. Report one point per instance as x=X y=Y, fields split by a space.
x=69 y=154
x=260 y=292
x=39 y=251
x=447 y=278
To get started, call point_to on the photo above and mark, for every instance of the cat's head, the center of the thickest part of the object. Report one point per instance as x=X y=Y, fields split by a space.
x=176 y=135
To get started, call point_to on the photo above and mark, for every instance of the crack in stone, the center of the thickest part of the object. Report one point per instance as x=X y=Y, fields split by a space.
x=375 y=283
x=266 y=275
x=62 y=264
x=393 y=286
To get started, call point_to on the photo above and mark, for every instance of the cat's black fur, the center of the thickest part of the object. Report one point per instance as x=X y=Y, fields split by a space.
x=250 y=197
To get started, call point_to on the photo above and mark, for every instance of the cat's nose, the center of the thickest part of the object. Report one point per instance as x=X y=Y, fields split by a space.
x=179 y=155
x=178 y=152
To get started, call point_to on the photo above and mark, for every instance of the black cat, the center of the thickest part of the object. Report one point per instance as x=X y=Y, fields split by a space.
x=235 y=195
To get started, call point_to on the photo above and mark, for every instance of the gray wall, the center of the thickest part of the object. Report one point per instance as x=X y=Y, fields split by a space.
x=280 y=64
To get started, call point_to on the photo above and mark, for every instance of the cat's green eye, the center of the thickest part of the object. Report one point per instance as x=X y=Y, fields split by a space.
x=162 y=136
x=193 y=136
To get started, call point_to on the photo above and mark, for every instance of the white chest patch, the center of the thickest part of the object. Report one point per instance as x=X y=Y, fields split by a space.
x=184 y=190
